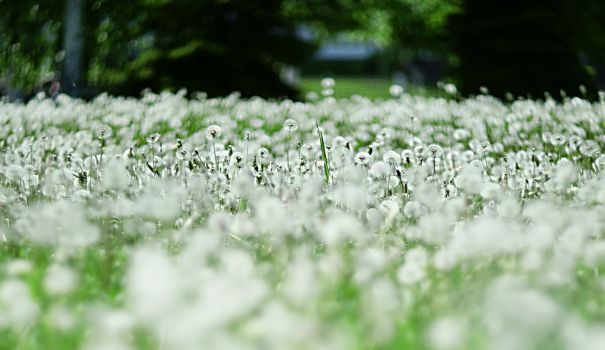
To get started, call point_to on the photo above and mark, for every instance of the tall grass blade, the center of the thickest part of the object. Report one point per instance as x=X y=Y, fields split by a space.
x=324 y=154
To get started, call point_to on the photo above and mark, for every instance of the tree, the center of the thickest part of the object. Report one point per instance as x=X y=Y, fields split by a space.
x=73 y=44
x=217 y=47
x=525 y=47
x=28 y=43
x=85 y=41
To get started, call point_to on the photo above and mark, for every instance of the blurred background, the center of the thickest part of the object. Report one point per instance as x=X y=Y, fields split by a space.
x=284 y=48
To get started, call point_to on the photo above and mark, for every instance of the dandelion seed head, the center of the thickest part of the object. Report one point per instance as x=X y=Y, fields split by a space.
x=395 y=90
x=362 y=158
x=213 y=132
x=290 y=125
x=153 y=138
x=103 y=132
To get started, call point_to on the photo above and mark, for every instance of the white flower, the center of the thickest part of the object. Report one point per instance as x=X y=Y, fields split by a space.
x=447 y=333
x=213 y=132
x=396 y=90
x=17 y=267
x=59 y=280
x=103 y=132
x=338 y=228
x=410 y=273
x=490 y=191
x=18 y=309
x=327 y=83
x=115 y=176
x=290 y=125
x=413 y=209
x=470 y=179
x=61 y=318
x=15 y=172
x=362 y=158
x=61 y=223
x=380 y=170
x=391 y=157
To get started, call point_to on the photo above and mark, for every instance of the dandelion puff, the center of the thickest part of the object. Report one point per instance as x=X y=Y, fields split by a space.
x=15 y=172
x=395 y=90
x=339 y=228
x=327 y=83
x=391 y=157
x=451 y=89
x=362 y=158
x=18 y=309
x=444 y=260
x=339 y=142
x=417 y=256
x=410 y=273
x=59 y=280
x=61 y=318
x=115 y=176
x=153 y=138
x=490 y=191
x=181 y=154
x=103 y=132
x=327 y=92
x=213 y=132
x=290 y=125
x=18 y=267
x=470 y=179
x=434 y=150
x=407 y=156
x=447 y=333
x=516 y=182
x=461 y=134
x=413 y=209
x=390 y=209
x=450 y=190
x=236 y=159
x=557 y=139
x=380 y=170
x=589 y=148
x=263 y=155
x=375 y=218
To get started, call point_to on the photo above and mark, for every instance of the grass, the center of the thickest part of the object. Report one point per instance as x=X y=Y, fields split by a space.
x=324 y=156
x=370 y=87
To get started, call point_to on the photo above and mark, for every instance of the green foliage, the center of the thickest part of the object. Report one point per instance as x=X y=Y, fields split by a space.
x=417 y=26
x=213 y=46
x=29 y=33
x=222 y=46
x=218 y=47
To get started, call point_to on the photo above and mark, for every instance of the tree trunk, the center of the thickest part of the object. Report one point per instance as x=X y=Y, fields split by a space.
x=13 y=93
x=74 y=47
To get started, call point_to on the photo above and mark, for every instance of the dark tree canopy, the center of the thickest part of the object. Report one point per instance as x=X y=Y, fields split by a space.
x=526 y=47
x=216 y=46
x=522 y=47
x=219 y=47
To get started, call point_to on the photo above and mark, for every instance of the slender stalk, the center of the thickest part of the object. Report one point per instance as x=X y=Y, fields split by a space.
x=215 y=157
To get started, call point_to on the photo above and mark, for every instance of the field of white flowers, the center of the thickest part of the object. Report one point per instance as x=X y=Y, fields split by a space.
x=409 y=223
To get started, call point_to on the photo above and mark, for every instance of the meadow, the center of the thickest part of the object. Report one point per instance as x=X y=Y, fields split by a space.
x=405 y=222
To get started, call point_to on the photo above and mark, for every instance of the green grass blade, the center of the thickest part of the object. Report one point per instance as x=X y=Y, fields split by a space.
x=324 y=155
